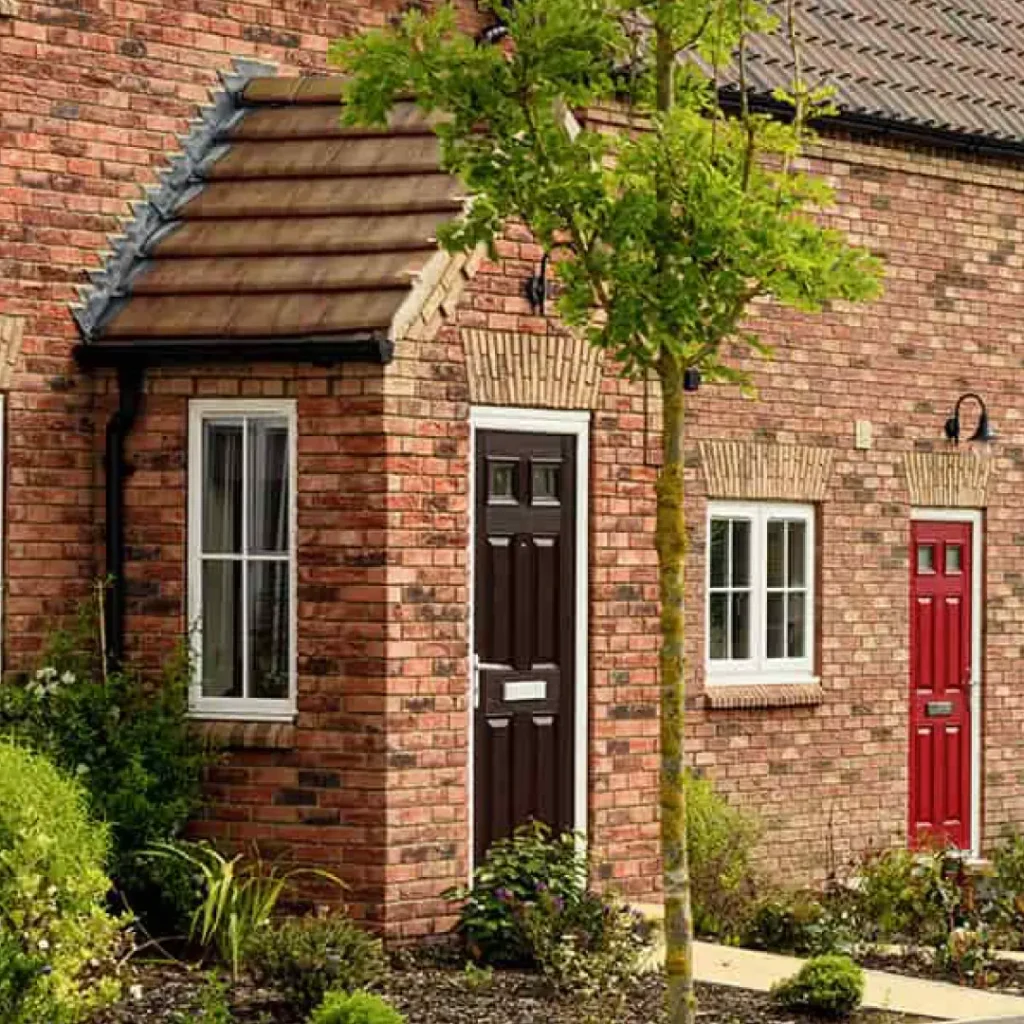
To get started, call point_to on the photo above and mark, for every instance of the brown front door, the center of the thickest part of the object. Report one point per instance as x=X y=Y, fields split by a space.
x=524 y=625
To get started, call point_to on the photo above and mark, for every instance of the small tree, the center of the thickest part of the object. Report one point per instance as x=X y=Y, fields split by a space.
x=663 y=234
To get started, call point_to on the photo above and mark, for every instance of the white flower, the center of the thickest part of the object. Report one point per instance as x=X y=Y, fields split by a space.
x=44 y=945
x=135 y=991
x=68 y=678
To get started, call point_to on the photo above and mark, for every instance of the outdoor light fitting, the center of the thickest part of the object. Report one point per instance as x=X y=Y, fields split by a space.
x=496 y=31
x=536 y=288
x=982 y=432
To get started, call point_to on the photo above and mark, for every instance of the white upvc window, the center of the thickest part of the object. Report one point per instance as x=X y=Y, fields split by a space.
x=760 y=592
x=241 y=558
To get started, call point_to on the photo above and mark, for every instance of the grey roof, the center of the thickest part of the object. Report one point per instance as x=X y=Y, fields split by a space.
x=953 y=67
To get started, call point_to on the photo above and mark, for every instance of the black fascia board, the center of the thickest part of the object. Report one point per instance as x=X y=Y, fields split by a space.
x=319 y=350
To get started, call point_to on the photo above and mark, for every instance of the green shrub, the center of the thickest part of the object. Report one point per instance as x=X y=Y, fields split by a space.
x=1007 y=885
x=211 y=1006
x=515 y=873
x=57 y=941
x=720 y=843
x=788 y=922
x=590 y=951
x=968 y=953
x=355 y=1008
x=130 y=744
x=239 y=897
x=304 y=958
x=915 y=897
x=477 y=978
x=828 y=986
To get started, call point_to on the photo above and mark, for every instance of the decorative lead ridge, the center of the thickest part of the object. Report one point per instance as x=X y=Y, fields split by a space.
x=152 y=216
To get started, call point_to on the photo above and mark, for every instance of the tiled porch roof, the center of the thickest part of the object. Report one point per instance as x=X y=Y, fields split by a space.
x=278 y=224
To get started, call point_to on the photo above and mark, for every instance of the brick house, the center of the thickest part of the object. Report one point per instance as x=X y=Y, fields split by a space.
x=411 y=518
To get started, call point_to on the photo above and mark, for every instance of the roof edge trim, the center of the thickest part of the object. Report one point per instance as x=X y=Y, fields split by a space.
x=976 y=144
x=361 y=348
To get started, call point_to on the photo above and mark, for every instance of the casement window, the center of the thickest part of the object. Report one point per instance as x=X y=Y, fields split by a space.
x=242 y=558
x=760 y=592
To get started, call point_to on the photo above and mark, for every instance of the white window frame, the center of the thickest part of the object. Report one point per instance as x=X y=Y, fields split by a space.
x=238 y=708
x=758 y=668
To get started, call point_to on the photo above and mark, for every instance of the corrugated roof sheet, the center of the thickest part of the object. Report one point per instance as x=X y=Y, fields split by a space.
x=287 y=225
x=955 y=66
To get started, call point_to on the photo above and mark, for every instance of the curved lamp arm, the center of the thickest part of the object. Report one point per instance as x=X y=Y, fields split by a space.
x=983 y=431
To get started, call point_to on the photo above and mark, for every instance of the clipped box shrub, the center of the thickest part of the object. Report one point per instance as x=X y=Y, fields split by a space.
x=827 y=986
x=57 y=940
x=305 y=958
x=355 y=1008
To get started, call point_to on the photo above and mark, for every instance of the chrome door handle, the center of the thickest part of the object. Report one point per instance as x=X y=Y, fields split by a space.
x=476 y=681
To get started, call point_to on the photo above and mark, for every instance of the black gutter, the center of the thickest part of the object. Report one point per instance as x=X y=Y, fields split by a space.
x=372 y=347
x=889 y=127
x=129 y=398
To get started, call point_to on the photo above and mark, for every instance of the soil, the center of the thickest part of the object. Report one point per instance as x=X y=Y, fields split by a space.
x=1002 y=976
x=438 y=995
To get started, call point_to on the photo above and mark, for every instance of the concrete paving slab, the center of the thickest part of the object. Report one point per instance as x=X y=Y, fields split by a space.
x=750 y=969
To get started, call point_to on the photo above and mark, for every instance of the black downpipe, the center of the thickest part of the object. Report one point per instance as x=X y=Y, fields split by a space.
x=129 y=398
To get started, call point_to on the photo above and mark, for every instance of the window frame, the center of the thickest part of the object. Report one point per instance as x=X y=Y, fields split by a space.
x=758 y=668
x=278 y=709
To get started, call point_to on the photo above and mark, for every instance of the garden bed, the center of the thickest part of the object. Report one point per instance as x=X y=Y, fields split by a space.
x=1005 y=976
x=432 y=995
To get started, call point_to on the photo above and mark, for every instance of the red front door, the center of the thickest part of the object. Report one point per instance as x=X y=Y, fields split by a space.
x=940 y=684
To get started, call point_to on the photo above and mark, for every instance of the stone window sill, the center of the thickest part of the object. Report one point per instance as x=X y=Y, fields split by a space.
x=755 y=696
x=235 y=735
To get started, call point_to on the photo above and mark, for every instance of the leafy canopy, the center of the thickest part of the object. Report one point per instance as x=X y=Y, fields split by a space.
x=662 y=233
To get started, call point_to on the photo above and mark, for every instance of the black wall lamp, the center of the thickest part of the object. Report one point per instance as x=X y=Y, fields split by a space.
x=496 y=31
x=536 y=289
x=982 y=432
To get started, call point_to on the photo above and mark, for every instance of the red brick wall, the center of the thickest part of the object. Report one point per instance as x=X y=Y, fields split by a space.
x=91 y=100
x=829 y=780
x=837 y=774
x=93 y=95
x=427 y=429
x=315 y=791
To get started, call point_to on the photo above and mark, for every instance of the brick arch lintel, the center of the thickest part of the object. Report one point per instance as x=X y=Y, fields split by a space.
x=947 y=479
x=547 y=371
x=749 y=470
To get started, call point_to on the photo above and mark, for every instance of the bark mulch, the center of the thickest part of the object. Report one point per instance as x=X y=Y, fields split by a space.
x=439 y=995
x=1002 y=976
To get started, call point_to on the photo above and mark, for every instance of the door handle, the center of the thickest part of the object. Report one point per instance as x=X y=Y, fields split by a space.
x=476 y=681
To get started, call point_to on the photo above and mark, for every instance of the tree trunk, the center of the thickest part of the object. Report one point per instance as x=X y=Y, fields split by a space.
x=671 y=544
x=670 y=540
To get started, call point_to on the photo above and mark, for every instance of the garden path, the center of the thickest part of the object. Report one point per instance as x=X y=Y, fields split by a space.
x=751 y=969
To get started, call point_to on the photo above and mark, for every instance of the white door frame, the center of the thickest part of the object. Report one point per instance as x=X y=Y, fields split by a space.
x=539 y=421
x=974 y=518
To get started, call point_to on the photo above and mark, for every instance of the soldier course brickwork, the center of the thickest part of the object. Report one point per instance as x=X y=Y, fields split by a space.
x=371 y=780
